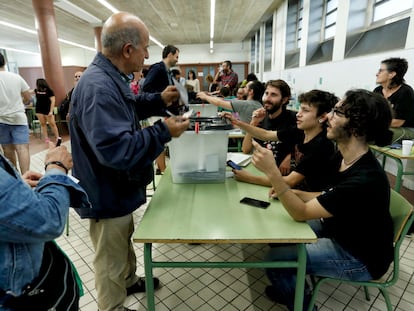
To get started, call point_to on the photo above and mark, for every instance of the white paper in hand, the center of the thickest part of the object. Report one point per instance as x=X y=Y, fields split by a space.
x=182 y=91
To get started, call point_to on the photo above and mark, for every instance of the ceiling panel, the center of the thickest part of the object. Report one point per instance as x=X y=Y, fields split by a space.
x=169 y=21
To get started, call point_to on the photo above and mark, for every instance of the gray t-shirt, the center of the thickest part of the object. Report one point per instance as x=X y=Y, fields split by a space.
x=245 y=108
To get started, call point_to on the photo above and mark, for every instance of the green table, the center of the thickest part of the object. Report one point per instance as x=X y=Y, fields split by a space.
x=396 y=155
x=211 y=213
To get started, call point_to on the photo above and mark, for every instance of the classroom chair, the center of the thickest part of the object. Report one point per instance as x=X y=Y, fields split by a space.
x=402 y=216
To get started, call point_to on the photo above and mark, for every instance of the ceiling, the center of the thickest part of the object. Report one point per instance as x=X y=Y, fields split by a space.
x=169 y=21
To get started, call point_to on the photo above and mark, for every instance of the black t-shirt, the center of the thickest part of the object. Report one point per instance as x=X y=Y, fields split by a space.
x=286 y=120
x=402 y=102
x=359 y=200
x=43 y=101
x=310 y=158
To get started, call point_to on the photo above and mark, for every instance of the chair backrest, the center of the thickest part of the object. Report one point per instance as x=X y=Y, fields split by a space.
x=401 y=212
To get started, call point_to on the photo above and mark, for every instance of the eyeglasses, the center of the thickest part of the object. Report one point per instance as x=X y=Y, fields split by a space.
x=381 y=70
x=338 y=112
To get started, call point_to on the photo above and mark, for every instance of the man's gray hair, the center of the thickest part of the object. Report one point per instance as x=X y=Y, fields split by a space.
x=115 y=40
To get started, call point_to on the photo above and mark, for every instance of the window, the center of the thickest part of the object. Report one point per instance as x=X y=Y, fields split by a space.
x=331 y=10
x=252 y=53
x=293 y=32
x=384 y=9
x=377 y=26
x=268 y=45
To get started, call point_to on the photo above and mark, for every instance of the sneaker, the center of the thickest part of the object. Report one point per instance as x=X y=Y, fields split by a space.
x=139 y=286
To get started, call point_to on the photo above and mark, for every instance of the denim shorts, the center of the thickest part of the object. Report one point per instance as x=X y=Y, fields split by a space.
x=14 y=134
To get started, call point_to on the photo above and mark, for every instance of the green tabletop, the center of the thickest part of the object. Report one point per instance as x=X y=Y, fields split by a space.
x=396 y=153
x=211 y=213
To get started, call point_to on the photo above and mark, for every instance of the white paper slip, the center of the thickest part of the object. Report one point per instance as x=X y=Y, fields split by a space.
x=239 y=158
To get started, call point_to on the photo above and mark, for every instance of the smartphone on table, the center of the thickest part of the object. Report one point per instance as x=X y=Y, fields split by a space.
x=233 y=165
x=255 y=202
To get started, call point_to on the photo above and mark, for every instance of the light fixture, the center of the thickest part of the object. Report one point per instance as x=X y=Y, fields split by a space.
x=77 y=45
x=115 y=10
x=77 y=11
x=34 y=32
x=18 y=50
x=108 y=6
x=212 y=19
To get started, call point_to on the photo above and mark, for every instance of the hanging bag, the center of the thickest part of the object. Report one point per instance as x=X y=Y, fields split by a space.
x=58 y=286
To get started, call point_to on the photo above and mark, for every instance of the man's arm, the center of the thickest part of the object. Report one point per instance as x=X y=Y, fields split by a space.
x=256 y=132
x=215 y=100
x=26 y=97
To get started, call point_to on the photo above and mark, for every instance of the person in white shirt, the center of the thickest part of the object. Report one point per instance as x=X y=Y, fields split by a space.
x=14 y=129
x=193 y=81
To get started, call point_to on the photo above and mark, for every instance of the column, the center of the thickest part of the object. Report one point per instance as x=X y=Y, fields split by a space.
x=49 y=46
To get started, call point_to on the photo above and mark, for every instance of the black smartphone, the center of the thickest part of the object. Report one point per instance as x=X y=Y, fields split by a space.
x=58 y=141
x=396 y=146
x=254 y=202
x=233 y=165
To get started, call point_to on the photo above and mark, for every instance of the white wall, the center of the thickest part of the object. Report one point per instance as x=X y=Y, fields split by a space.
x=200 y=53
x=189 y=54
x=340 y=76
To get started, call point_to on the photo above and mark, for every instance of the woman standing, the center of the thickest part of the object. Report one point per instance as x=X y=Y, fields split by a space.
x=45 y=104
x=193 y=81
x=392 y=86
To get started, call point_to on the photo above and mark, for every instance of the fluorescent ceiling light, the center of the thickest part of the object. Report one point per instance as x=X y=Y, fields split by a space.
x=20 y=51
x=212 y=20
x=115 y=10
x=212 y=17
x=34 y=32
x=77 y=11
x=76 y=44
x=108 y=6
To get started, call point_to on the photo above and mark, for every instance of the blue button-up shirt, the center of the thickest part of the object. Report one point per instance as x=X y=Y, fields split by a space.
x=30 y=218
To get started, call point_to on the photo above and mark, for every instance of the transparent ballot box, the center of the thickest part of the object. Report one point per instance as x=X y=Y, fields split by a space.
x=204 y=110
x=200 y=157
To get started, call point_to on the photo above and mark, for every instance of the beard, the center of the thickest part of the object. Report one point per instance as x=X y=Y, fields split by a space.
x=273 y=108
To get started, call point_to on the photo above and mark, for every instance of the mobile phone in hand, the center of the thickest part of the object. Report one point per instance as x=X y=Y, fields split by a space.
x=254 y=202
x=234 y=165
x=58 y=141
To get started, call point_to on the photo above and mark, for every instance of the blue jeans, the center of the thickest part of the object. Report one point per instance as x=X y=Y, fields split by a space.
x=323 y=258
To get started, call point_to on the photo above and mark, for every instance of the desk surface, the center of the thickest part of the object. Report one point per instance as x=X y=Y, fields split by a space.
x=211 y=213
x=396 y=153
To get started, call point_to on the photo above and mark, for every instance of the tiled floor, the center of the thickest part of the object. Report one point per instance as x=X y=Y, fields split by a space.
x=220 y=289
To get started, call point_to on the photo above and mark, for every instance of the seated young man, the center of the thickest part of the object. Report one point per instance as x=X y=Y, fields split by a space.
x=312 y=148
x=353 y=205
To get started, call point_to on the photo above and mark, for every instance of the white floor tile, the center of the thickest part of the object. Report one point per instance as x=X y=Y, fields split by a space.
x=220 y=289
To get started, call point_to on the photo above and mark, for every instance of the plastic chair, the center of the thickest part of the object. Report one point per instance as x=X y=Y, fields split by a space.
x=402 y=216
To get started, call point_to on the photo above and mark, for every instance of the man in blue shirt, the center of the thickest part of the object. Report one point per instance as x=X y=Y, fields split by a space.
x=113 y=156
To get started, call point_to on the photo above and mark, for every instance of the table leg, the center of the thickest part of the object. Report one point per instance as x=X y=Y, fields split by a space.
x=149 y=283
x=300 y=277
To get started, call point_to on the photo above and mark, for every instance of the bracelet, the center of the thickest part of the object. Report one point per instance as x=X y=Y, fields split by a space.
x=58 y=163
x=283 y=192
